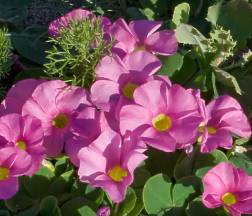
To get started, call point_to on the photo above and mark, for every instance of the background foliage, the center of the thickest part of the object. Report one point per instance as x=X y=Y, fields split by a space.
x=215 y=56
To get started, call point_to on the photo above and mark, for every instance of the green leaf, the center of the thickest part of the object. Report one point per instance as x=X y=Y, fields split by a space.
x=30 y=44
x=30 y=73
x=187 y=34
x=157 y=194
x=214 y=12
x=38 y=185
x=49 y=206
x=128 y=204
x=241 y=141
x=236 y=16
x=13 y=14
x=202 y=171
x=4 y=213
x=197 y=208
x=228 y=80
x=20 y=201
x=138 y=205
x=174 y=212
x=34 y=211
x=61 y=184
x=78 y=206
x=181 y=14
x=188 y=166
x=161 y=162
x=94 y=194
x=184 y=189
x=15 y=3
x=242 y=161
x=141 y=175
x=78 y=188
x=61 y=165
x=135 y=13
x=171 y=64
x=187 y=71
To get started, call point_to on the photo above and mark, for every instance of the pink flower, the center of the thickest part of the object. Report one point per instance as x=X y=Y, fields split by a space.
x=142 y=35
x=117 y=79
x=56 y=104
x=223 y=117
x=18 y=94
x=230 y=187
x=77 y=15
x=109 y=162
x=104 y=211
x=13 y=163
x=163 y=117
x=25 y=133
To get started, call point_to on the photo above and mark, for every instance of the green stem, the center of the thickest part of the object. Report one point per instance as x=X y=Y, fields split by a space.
x=116 y=208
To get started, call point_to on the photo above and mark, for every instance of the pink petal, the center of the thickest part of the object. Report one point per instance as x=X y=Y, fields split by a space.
x=89 y=166
x=222 y=139
x=223 y=102
x=33 y=109
x=71 y=98
x=163 y=43
x=11 y=124
x=104 y=94
x=8 y=188
x=45 y=94
x=236 y=122
x=122 y=33
x=154 y=100
x=116 y=191
x=73 y=146
x=110 y=68
x=87 y=123
x=132 y=117
x=181 y=102
x=32 y=130
x=185 y=130
x=159 y=140
x=54 y=144
x=21 y=163
x=143 y=62
x=142 y=29
x=211 y=200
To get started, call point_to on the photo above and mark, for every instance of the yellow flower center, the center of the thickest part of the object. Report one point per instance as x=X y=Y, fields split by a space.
x=4 y=173
x=140 y=48
x=162 y=122
x=60 y=121
x=128 y=90
x=21 y=144
x=210 y=130
x=117 y=173
x=229 y=199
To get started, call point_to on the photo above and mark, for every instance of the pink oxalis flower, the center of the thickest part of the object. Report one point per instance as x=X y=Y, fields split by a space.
x=26 y=134
x=117 y=86
x=56 y=104
x=109 y=162
x=74 y=15
x=164 y=117
x=13 y=163
x=142 y=35
x=230 y=187
x=222 y=118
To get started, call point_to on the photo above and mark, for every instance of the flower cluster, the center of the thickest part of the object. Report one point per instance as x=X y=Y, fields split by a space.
x=106 y=130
